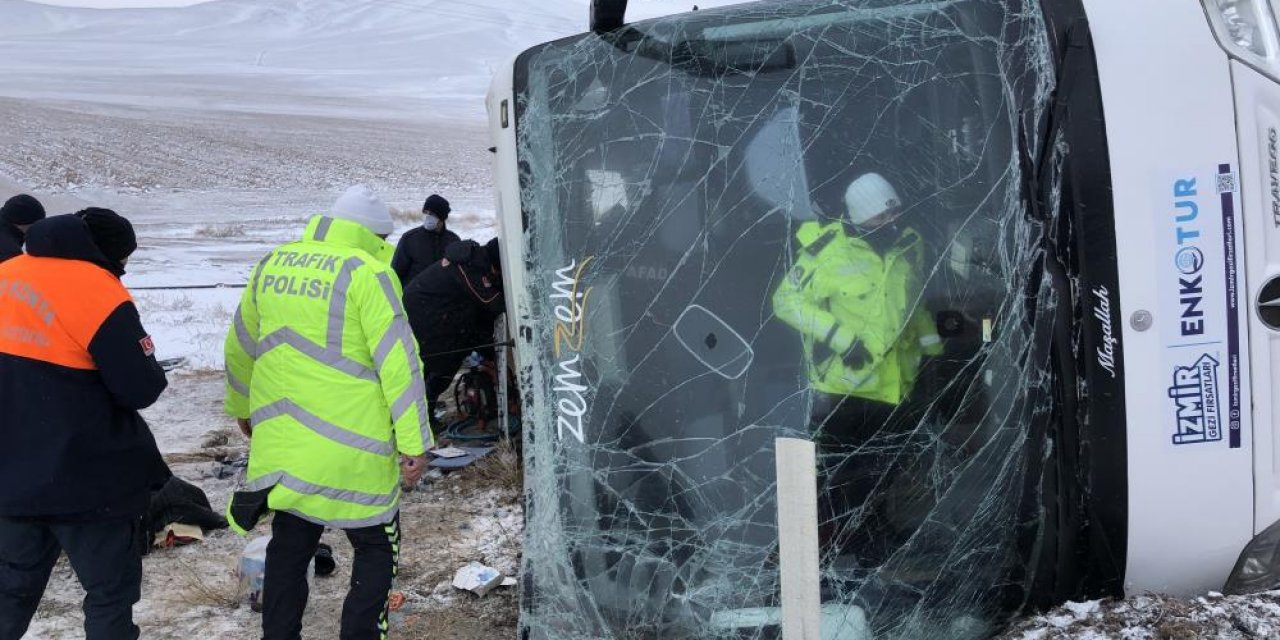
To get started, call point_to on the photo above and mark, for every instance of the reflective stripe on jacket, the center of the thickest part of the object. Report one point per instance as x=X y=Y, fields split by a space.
x=321 y=359
x=840 y=284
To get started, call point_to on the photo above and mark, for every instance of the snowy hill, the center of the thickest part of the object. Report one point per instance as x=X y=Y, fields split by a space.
x=222 y=53
x=251 y=54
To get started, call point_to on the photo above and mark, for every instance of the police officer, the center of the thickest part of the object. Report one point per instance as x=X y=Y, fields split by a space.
x=78 y=463
x=324 y=376
x=16 y=216
x=424 y=246
x=855 y=295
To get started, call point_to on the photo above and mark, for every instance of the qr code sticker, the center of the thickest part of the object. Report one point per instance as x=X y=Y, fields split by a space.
x=1227 y=183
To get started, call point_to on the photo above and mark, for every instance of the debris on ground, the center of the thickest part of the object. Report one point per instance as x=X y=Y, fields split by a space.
x=459 y=457
x=448 y=452
x=252 y=572
x=176 y=534
x=477 y=579
x=324 y=563
x=172 y=364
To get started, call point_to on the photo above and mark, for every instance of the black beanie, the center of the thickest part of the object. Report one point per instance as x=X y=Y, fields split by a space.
x=22 y=209
x=111 y=232
x=494 y=253
x=437 y=205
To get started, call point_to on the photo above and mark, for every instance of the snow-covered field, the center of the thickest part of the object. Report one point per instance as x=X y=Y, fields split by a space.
x=211 y=192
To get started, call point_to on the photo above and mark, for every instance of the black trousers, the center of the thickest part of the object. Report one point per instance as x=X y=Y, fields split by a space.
x=284 y=589
x=867 y=450
x=105 y=556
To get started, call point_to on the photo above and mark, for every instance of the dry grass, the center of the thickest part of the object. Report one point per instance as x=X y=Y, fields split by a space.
x=406 y=216
x=212 y=454
x=215 y=376
x=166 y=302
x=216 y=438
x=502 y=469
x=222 y=231
x=495 y=616
x=200 y=590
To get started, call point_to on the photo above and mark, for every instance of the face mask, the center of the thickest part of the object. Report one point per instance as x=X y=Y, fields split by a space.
x=431 y=223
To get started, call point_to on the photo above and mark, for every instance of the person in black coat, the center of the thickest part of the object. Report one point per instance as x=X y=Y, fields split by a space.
x=16 y=216
x=424 y=246
x=78 y=463
x=452 y=306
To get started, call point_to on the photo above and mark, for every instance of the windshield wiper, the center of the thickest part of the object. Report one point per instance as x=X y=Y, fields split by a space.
x=608 y=15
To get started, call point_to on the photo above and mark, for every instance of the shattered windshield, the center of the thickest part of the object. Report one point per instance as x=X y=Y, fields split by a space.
x=799 y=219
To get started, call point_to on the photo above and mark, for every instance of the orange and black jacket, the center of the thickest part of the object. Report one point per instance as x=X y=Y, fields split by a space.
x=75 y=368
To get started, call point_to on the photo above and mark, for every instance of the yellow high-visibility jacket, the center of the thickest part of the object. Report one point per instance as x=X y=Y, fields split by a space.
x=863 y=307
x=321 y=359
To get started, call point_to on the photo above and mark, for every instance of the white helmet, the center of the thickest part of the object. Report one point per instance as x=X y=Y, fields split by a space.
x=869 y=196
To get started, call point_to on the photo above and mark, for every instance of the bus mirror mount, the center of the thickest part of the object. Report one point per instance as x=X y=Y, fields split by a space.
x=608 y=15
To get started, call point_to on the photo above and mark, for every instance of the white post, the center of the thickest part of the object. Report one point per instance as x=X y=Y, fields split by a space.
x=798 y=538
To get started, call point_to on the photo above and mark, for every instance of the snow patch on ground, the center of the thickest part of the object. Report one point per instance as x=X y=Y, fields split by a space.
x=1156 y=617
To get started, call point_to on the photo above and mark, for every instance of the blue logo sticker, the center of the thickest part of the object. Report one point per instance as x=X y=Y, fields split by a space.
x=1189 y=260
x=1195 y=396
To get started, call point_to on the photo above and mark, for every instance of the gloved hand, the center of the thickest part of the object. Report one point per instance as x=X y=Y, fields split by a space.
x=857 y=357
x=846 y=344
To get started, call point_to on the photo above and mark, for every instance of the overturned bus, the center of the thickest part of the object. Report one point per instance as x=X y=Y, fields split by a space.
x=1009 y=267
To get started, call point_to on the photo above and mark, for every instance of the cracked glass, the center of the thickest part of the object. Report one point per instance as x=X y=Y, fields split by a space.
x=803 y=219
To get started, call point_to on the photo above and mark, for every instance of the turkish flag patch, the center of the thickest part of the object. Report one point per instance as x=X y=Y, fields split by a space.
x=148 y=346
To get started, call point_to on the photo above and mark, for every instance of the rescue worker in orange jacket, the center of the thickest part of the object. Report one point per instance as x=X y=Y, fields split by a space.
x=78 y=462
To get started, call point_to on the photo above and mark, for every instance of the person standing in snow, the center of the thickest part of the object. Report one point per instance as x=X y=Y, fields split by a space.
x=324 y=377
x=16 y=216
x=452 y=306
x=78 y=463
x=424 y=246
